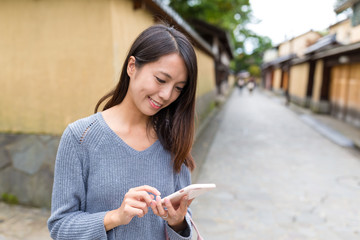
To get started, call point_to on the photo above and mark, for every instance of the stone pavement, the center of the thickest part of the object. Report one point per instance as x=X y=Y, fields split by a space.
x=22 y=223
x=277 y=178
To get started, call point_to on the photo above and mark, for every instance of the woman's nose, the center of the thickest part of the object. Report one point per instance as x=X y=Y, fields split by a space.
x=165 y=93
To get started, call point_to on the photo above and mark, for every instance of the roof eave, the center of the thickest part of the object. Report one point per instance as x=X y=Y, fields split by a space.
x=344 y=5
x=211 y=29
x=337 y=51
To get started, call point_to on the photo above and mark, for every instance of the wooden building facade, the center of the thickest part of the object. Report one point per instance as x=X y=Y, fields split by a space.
x=325 y=75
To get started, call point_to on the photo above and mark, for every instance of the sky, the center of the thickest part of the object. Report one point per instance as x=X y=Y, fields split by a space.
x=281 y=20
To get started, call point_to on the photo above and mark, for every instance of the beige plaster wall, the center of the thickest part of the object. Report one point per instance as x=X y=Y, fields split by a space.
x=299 y=80
x=301 y=43
x=298 y=45
x=56 y=59
x=345 y=32
x=342 y=31
x=285 y=48
x=355 y=34
x=127 y=24
x=206 y=73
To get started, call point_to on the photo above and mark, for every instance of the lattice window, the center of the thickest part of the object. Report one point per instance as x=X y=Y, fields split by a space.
x=355 y=19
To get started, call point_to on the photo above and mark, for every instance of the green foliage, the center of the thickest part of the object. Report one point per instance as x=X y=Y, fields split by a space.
x=218 y=12
x=232 y=16
x=9 y=198
x=255 y=70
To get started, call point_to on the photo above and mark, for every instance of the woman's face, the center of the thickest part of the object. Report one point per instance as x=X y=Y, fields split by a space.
x=156 y=85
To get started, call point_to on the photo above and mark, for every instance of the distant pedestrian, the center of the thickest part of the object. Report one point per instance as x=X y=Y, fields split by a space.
x=113 y=165
x=251 y=85
x=287 y=97
x=240 y=84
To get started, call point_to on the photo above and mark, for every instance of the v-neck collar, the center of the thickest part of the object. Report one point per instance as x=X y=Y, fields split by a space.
x=120 y=141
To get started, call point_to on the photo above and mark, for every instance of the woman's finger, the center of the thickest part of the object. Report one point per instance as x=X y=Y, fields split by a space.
x=154 y=208
x=183 y=204
x=176 y=216
x=133 y=207
x=148 y=189
x=169 y=207
x=140 y=195
x=131 y=211
x=159 y=206
x=137 y=204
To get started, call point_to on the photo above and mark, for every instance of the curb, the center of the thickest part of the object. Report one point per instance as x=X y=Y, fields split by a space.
x=309 y=117
x=357 y=145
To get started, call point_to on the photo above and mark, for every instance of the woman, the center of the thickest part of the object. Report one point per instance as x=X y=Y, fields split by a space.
x=112 y=167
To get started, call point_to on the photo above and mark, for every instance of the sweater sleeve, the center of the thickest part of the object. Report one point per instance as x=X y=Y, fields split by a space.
x=183 y=180
x=68 y=218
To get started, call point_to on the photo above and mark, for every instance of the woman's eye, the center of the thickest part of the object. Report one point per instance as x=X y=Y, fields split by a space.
x=160 y=80
x=179 y=89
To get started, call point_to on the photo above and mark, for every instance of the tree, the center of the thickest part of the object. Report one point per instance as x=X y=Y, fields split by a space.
x=232 y=16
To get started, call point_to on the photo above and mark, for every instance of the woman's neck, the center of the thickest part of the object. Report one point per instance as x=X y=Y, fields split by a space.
x=124 y=117
x=131 y=127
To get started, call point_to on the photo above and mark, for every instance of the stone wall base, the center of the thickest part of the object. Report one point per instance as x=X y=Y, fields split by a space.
x=203 y=105
x=320 y=107
x=27 y=167
x=298 y=100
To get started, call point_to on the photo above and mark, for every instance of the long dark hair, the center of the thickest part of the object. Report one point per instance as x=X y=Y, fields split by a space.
x=174 y=125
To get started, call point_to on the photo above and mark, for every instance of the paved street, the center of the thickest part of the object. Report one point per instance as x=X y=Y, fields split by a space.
x=23 y=223
x=277 y=178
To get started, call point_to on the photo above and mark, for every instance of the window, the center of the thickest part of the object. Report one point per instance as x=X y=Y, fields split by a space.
x=355 y=20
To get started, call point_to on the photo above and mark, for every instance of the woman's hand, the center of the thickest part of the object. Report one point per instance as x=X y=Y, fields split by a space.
x=174 y=215
x=135 y=203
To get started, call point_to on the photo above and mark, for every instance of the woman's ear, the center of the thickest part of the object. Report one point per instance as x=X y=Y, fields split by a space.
x=131 y=66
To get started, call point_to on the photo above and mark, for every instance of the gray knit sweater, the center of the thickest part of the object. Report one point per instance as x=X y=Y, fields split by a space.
x=93 y=171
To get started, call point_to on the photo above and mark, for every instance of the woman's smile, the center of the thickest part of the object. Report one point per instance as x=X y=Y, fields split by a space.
x=154 y=104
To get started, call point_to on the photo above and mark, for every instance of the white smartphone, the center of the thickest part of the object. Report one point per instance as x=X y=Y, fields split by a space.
x=193 y=191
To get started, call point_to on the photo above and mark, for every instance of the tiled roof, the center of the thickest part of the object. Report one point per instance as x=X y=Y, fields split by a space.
x=322 y=43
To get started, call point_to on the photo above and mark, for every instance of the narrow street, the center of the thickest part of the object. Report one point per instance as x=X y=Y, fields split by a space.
x=277 y=178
